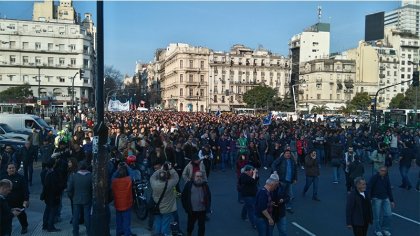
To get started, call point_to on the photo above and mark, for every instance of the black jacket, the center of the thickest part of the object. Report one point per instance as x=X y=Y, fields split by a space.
x=20 y=191
x=279 y=209
x=186 y=197
x=280 y=165
x=52 y=187
x=248 y=185
x=6 y=217
x=358 y=209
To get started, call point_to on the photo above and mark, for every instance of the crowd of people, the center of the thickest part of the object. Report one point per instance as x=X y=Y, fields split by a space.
x=180 y=150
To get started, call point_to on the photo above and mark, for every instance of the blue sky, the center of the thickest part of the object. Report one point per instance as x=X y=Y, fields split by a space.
x=134 y=30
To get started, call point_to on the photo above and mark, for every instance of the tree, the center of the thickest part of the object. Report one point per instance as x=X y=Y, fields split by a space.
x=260 y=96
x=346 y=110
x=405 y=101
x=113 y=79
x=16 y=93
x=283 y=104
x=320 y=109
x=361 y=101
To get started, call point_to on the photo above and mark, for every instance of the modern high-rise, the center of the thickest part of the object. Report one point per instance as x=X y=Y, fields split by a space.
x=48 y=53
x=405 y=18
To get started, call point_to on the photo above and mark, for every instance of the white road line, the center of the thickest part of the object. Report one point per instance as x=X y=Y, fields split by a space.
x=303 y=229
x=405 y=218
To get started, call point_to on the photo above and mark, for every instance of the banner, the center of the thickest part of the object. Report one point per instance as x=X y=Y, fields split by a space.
x=116 y=105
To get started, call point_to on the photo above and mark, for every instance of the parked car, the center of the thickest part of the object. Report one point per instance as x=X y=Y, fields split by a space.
x=10 y=133
x=363 y=119
x=351 y=118
x=25 y=122
x=15 y=143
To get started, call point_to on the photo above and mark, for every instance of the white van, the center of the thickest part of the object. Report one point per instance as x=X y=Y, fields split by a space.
x=24 y=122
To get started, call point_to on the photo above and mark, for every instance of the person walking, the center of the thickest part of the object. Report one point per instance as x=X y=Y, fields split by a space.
x=51 y=195
x=406 y=157
x=162 y=182
x=123 y=200
x=6 y=213
x=79 y=189
x=264 y=206
x=196 y=201
x=378 y=157
x=349 y=158
x=248 y=182
x=379 y=190
x=280 y=198
x=193 y=166
x=27 y=155
x=312 y=174
x=358 y=209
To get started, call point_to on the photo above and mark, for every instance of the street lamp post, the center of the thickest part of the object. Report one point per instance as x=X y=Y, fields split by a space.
x=39 y=90
x=294 y=97
x=72 y=100
x=417 y=93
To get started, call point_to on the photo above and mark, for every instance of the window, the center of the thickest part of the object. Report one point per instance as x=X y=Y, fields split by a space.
x=38 y=46
x=191 y=78
x=331 y=97
x=12 y=44
x=73 y=61
x=191 y=63
x=25 y=60
x=86 y=63
x=190 y=92
x=62 y=79
x=181 y=64
x=181 y=92
x=223 y=99
x=181 y=78
x=201 y=92
x=61 y=61
x=38 y=60
x=61 y=47
x=201 y=78
x=48 y=78
x=57 y=92
x=338 y=96
x=72 y=47
x=25 y=78
x=85 y=49
x=11 y=77
x=50 y=46
x=202 y=64
x=25 y=45
x=215 y=98
x=50 y=61
x=318 y=96
x=12 y=59
x=402 y=76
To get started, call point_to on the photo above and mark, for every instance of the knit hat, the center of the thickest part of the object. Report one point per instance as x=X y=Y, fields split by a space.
x=274 y=176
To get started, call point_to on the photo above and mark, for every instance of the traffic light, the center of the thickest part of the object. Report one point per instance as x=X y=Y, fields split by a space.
x=81 y=73
x=416 y=79
x=372 y=107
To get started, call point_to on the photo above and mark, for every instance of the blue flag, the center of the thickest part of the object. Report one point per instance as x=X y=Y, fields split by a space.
x=267 y=119
x=218 y=113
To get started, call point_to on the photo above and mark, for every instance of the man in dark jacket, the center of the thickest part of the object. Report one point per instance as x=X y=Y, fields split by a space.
x=27 y=154
x=286 y=168
x=312 y=174
x=248 y=181
x=406 y=157
x=80 y=190
x=280 y=198
x=8 y=156
x=196 y=201
x=379 y=190
x=358 y=209
x=51 y=195
x=19 y=196
x=6 y=213
x=46 y=151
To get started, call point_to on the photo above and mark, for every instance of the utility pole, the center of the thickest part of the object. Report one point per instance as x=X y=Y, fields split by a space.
x=39 y=91
x=100 y=214
x=72 y=101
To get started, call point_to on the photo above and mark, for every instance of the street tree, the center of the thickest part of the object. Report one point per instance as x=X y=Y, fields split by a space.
x=113 y=79
x=346 y=110
x=361 y=101
x=19 y=92
x=285 y=104
x=260 y=96
x=406 y=100
x=320 y=109
x=397 y=101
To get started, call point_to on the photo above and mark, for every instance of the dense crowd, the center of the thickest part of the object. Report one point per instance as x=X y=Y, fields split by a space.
x=176 y=152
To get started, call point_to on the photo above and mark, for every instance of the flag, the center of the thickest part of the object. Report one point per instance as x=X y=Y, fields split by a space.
x=267 y=119
x=218 y=113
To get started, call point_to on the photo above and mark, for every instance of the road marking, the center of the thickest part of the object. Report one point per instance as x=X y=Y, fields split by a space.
x=303 y=229
x=405 y=218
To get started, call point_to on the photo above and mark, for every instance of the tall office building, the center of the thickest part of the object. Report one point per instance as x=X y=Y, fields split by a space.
x=405 y=18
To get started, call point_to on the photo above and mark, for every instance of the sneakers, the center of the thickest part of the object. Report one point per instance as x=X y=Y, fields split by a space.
x=379 y=233
x=387 y=233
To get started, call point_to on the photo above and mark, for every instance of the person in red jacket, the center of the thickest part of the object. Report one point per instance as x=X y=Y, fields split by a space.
x=123 y=200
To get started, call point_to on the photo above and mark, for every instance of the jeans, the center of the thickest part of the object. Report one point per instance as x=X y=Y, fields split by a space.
x=263 y=228
x=320 y=153
x=263 y=157
x=78 y=210
x=123 y=222
x=28 y=170
x=49 y=216
x=225 y=157
x=394 y=153
x=289 y=189
x=404 y=175
x=309 y=181
x=281 y=226
x=233 y=155
x=336 y=173
x=161 y=224
x=199 y=216
x=249 y=208
x=381 y=214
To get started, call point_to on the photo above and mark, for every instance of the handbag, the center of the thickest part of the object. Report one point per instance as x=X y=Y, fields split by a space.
x=156 y=209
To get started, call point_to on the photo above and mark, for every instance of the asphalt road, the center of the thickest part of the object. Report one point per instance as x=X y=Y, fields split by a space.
x=325 y=218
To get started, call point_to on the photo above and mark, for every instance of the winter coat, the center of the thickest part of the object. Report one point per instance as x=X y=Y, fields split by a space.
x=186 y=197
x=123 y=193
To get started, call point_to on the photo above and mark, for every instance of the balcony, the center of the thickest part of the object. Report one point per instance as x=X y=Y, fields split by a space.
x=195 y=97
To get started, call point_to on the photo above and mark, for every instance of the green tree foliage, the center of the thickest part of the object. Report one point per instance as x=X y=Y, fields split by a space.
x=259 y=96
x=285 y=105
x=405 y=101
x=361 y=101
x=16 y=93
x=346 y=110
x=320 y=109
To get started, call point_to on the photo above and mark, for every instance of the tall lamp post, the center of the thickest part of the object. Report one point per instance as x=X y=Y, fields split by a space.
x=39 y=91
x=416 y=87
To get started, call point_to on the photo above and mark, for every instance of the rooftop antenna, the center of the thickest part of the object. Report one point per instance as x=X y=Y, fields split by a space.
x=319 y=10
